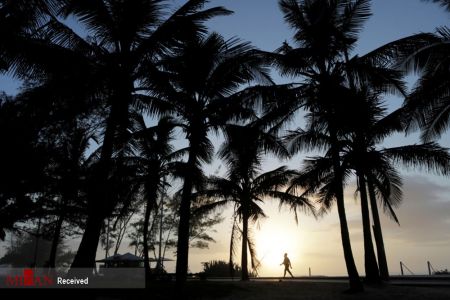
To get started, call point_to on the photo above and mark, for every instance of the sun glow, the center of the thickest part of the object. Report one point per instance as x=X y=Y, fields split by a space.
x=271 y=244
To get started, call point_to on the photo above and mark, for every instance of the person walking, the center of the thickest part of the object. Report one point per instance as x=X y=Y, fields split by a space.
x=287 y=265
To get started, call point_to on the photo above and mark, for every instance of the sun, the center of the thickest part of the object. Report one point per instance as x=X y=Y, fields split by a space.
x=271 y=244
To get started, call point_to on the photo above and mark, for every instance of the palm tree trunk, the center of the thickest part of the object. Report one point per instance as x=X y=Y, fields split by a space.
x=184 y=226
x=58 y=228
x=354 y=281
x=55 y=242
x=97 y=194
x=85 y=257
x=370 y=261
x=244 y=255
x=107 y=230
x=382 y=261
x=148 y=209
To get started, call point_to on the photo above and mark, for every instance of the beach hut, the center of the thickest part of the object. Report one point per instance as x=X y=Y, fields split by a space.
x=126 y=260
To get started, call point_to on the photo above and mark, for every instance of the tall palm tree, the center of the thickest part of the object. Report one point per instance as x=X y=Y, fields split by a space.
x=246 y=187
x=374 y=166
x=70 y=169
x=125 y=40
x=201 y=87
x=136 y=41
x=156 y=160
x=325 y=33
x=55 y=178
x=369 y=129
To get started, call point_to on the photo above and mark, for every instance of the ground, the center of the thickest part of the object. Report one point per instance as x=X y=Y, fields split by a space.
x=273 y=290
x=312 y=290
x=325 y=291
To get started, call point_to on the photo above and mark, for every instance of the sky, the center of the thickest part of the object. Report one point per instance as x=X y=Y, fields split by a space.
x=423 y=234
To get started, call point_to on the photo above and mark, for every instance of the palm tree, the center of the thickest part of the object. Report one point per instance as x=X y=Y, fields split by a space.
x=425 y=54
x=156 y=160
x=70 y=169
x=370 y=128
x=200 y=87
x=49 y=186
x=126 y=40
x=372 y=164
x=325 y=33
x=136 y=43
x=246 y=187
x=429 y=102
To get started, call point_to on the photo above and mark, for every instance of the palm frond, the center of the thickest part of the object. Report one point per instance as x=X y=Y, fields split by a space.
x=429 y=156
x=271 y=180
x=354 y=15
x=253 y=255
x=236 y=235
x=294 y=202
x=301 y=140
x=444 y=3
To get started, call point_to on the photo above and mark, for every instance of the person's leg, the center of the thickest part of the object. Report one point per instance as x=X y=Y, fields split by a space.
x=284 y=272
x=290 y=273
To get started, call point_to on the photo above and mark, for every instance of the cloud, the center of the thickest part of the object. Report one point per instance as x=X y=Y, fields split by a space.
x=424 y=214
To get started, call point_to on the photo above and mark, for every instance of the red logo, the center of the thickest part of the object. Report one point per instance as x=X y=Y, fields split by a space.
x=28 y=279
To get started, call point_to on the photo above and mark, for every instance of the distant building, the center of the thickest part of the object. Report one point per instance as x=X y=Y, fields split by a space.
x=126 y=260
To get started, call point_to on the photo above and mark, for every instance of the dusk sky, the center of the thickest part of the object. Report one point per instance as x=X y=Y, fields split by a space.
x=424 y=216
x=424 y=233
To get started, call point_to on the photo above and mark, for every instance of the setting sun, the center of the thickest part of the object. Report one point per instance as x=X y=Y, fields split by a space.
x=271 y=244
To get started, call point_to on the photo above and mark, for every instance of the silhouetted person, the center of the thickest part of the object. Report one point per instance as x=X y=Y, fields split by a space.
x=287 y=265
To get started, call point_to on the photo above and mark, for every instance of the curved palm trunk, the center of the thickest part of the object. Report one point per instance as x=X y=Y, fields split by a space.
x=382 y=261
x=184 y=226
x=97 y=197
x=151 y=202
x=244 y=254
x=355 y=282
x=85 y=257
x=370 y=261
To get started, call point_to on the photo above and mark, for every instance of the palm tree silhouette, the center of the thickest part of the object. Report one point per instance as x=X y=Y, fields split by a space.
x=155 y=160
x=56 y=179
x=139 y=59
x=126 y=39
x=370 y=128
x=201 y=89
x=325 y=33
x=246 y=187
x=374 y=166
x=429 y=102
x=70 y=168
